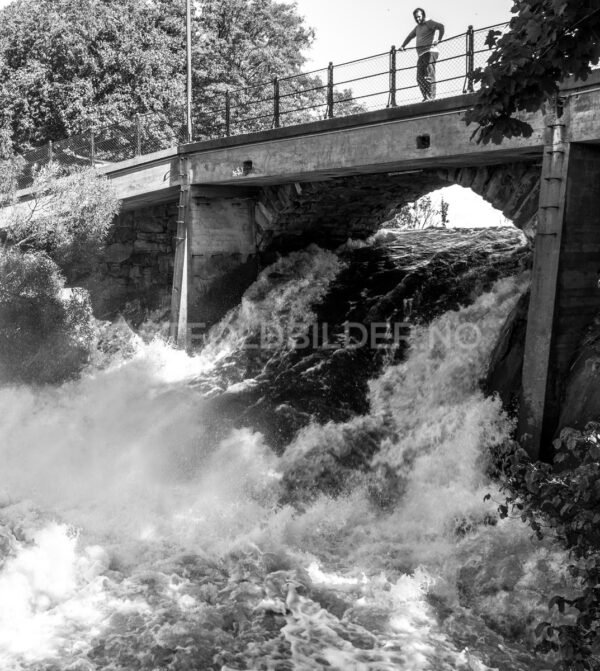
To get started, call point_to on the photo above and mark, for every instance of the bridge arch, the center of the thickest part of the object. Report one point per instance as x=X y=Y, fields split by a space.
x=289 y=216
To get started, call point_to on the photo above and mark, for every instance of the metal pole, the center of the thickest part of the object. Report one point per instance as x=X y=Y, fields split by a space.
x=330 y=91
x=470 y=55
x=188 y=25
x=138 y=136
x=276 y=103
x=392 y=102
x=227 y=113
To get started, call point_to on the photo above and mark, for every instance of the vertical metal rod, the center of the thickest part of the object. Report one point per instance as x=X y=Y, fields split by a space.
x=276 y=103
x=179 y=296
x=330 y=91
x=227 y=113
x=188 y=32
x=92 y=147
x=392 y=102
x=138 y=136
x=50 y=152
x=470 y=56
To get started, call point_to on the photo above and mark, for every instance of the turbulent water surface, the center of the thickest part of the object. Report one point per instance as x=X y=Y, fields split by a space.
x=291 y=497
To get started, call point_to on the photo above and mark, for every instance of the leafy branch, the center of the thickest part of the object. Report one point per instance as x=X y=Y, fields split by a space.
x=547 y=41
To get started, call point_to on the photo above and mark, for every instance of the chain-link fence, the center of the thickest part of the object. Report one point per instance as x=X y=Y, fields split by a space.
x=390 y=79
x=144 y=134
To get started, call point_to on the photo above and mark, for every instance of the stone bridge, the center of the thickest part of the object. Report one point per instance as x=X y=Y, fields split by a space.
x=203 y=217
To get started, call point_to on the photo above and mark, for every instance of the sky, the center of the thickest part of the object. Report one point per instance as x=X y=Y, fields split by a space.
x=350 y=29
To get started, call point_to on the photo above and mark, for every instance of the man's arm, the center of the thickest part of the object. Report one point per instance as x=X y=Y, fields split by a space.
x=440 y=28
x=409 y=37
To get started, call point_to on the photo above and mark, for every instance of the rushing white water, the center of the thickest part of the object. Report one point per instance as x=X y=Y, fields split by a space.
x=132 y=538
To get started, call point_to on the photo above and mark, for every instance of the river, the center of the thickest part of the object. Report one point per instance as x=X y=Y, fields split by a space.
x=306 y=492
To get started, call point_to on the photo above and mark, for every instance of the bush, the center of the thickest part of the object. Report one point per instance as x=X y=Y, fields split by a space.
x=68 y=216
x=46 y=331
x=563 y=500
x=420 y=215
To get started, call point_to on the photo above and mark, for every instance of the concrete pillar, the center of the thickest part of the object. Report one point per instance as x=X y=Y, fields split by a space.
x=223 y=258
x=565 y=294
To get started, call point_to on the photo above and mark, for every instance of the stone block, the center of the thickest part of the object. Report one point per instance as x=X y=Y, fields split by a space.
x=481 y=179
x=215 y=265
x=466 y=177
x=527 y=209
x=499 y=188
x=118 y=270
x=146 y=247
x=151 y=225
x=522 y=188
x=123 y=234
x=166 y=263
x=118 y=252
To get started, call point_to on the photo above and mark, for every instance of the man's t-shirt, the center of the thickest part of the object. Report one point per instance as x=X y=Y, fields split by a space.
x=424 y=33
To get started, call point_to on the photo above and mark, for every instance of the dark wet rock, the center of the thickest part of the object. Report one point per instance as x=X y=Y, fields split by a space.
x=331 y=601
x=506 y=364
x=581 y=402
x=332 y=464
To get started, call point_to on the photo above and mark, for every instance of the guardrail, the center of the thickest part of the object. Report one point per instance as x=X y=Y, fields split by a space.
x=375 y=82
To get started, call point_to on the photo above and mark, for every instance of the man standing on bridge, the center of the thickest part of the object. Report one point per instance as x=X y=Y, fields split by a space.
x=426 y=51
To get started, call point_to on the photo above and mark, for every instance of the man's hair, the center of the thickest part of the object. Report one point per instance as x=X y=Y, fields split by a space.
x=419 y=9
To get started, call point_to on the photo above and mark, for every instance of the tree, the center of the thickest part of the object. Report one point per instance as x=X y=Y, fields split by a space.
x=46 y=330
x=548 y=40
x=67 y=217
x=66 y=66
x=421 y=214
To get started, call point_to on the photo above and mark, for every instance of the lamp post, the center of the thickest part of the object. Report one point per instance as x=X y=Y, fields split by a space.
x=188 y=30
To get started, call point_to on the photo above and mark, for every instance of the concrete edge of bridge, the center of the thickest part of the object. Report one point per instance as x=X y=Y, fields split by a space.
x=422 y=109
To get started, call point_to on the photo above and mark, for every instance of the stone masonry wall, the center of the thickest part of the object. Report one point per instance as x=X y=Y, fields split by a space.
x=137 y=263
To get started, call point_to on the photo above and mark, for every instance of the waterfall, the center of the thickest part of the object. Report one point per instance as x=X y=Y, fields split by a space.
x=284 y=499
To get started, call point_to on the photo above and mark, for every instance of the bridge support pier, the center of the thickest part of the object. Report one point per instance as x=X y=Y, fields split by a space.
x=565 y=291
x=221 y=256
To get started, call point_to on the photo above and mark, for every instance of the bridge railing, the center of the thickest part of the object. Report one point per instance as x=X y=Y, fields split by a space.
x=366 y=84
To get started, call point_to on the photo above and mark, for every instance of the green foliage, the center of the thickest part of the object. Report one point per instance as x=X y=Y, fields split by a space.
x=420 y=214
x=564 y=501
x=68 y=216
x=66 y=66
x=46 y=331
x=548 y=41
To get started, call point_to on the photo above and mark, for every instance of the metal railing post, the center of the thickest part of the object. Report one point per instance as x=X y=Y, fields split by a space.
x=50 y=152
x=138 y=135
x=330 y=91
x=392 y=101
x=276 y=103
x=470 y=59
x=92 y=147
x=227 y=113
